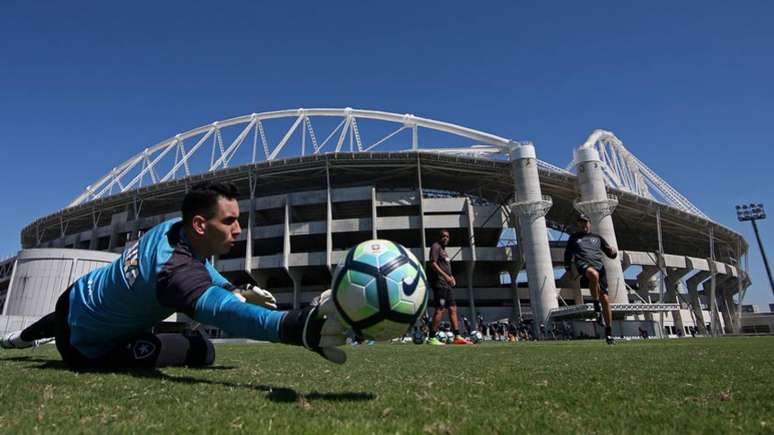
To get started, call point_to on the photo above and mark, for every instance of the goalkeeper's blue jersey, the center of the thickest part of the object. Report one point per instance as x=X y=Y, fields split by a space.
x=153 y=278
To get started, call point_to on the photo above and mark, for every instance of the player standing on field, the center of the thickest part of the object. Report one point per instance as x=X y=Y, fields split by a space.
x=442 y=281
x=584 y=250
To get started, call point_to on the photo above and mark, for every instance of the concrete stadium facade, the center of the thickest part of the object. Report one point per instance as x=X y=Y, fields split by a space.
x=300 y=214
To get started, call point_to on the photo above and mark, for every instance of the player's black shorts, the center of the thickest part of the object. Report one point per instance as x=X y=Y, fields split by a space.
x=443 y=297
x=582 y=267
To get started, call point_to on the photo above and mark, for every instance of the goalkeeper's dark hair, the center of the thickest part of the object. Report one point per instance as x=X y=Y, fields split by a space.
x=202 y=199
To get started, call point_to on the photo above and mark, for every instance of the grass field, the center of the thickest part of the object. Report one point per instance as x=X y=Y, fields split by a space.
x=669 y=386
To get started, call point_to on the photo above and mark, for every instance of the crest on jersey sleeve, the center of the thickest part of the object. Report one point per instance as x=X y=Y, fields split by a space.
x=131 y=264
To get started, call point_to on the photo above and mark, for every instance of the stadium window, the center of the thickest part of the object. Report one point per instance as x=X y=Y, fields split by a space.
x=308 y=243
x=308 y=213
x=397 y=210
x=266 y=217
x=347 y=240
x=270 y=246
x=103 y=243
x=351 y=209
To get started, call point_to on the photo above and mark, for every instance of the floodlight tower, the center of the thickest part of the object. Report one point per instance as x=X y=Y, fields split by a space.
x=752 y=213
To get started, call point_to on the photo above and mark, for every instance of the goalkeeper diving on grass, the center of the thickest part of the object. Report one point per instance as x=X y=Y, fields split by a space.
x=103 y=319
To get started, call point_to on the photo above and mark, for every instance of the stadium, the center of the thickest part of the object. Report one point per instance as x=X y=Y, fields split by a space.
x=315 y=182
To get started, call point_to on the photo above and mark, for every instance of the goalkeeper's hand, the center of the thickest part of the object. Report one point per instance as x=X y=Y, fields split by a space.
x=317 y=328
x=255 y=295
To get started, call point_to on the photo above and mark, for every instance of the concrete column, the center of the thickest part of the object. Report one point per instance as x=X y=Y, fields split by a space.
x=471 y=267
x=248 y=266
x=647 y=281
x=673 y=281
x=733 y=309
x=531 y=208
x=692 y=284
x=513 y=272
x=725 y=303
x=296 y=275
x=328 y=220
x=94 y=239
x=712 y=286
x=7 y=301
x=421 y=202
x=286 y=236
x=716 y=325
x=374 y=216
x=113 y=237
x=595 y=203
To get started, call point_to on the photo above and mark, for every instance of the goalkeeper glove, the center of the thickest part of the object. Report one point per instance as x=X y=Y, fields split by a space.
x=317 y=328
x=255 y=295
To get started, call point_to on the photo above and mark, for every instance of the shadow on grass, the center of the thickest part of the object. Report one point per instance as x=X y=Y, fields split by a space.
x=275 y=394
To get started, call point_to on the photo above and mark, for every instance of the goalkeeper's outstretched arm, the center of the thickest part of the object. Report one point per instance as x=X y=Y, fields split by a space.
x=315 y=326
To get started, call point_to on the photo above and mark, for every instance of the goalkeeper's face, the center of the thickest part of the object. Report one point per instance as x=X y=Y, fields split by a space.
x=221 y=231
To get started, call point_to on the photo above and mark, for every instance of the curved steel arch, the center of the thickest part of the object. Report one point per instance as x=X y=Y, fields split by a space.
x=624 y=171
x=133 y=171
x=621 y=168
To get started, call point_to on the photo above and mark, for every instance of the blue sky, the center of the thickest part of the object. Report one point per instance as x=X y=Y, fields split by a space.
x=687 y=86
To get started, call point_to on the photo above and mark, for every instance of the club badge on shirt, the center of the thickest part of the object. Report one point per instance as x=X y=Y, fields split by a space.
x=131 y=265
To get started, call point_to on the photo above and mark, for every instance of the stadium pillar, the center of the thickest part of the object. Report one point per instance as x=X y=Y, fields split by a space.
x=296 y=276
x=471 y=267
x=692 y=285
x=531 y=207
x=646 y=282
x=328 y=219
x=4 y=308
x=693 y=294
x=513 y=272
x=598 y=206
x=726 y=304
x=374 y=216
x=714 y=320
x=733 y=308
x=421 y=202
x=673 y=284
x=248 y=266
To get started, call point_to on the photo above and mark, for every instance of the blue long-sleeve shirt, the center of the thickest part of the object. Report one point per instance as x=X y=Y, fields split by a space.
x=152 y=279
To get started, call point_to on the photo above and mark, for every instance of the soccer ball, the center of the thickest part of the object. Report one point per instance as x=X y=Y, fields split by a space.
x=418 y=337
x=444 y=337
x=380 y=289
x=476 y=337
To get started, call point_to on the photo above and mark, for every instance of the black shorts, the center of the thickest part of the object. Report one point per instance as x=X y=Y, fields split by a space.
x=443 y=297
x=582 y=268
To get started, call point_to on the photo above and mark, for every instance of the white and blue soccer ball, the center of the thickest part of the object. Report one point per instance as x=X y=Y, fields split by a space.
x=445 y=336
x=379 y=289
x=476 y=337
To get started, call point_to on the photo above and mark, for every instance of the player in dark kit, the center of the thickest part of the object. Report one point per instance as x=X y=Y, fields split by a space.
x=102 y=320
x=584 y=251
x=442 y=281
